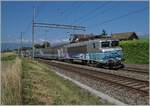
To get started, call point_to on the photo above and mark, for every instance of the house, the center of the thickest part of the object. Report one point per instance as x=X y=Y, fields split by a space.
x=125 y=36
x=85 y=37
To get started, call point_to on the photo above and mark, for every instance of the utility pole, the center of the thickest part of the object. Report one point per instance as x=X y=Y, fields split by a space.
x=33 y=21
x=18 y=50
x=21 y=44
x=46 y=41
x=18 y=47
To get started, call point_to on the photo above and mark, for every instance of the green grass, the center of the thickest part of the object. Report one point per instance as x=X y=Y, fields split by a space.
x=8 y=56
x=136 y=51
x=42 y=86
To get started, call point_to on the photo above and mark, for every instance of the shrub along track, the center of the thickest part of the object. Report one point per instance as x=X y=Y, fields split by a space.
x=136 y=86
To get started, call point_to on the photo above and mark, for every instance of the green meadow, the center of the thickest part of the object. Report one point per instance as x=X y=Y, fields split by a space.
x=136 y=51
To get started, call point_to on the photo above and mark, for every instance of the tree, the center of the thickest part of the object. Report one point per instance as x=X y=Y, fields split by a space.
x=26 y=48
x=104 y=32
x=37 y=46
x=46 y=44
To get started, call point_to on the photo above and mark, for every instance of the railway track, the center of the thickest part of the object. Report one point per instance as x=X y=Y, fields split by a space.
x=137 y=85
x=136 y=70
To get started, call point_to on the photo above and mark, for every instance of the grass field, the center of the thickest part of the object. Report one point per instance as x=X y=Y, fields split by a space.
x=8 y=56
x=10 y=79
x=136 y=51
x=27 y=82
x=42 y=86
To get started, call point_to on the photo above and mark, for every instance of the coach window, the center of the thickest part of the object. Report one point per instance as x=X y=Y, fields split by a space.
x=94 y=45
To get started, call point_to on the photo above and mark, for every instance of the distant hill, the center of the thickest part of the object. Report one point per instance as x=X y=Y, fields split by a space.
x=12 y=46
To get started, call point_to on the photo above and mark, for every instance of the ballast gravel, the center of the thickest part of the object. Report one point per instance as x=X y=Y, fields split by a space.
x=120 y=72
x=125 y=95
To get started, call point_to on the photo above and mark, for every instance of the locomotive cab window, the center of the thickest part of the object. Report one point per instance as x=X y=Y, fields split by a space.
x=105 y=44
x=114 y=43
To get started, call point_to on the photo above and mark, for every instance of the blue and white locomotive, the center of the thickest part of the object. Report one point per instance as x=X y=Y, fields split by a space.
x=102 y=52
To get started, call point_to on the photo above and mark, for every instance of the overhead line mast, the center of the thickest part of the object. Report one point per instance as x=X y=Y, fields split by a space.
x=21 y=44
x=33 y=33
x=47 y=25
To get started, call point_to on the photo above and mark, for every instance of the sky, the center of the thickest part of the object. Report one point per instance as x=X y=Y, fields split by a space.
x=112 y=16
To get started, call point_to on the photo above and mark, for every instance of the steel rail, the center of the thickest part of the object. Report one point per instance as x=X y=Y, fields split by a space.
x=137 y=70
x=119 y=80
x=93 y=69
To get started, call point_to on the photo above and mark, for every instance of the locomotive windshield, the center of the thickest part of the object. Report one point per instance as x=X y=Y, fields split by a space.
x=105 y=44
x=110 y=44
x=114 y=43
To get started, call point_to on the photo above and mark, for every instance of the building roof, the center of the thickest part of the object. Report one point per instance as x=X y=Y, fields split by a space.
x=86 y=37
x=124 y=35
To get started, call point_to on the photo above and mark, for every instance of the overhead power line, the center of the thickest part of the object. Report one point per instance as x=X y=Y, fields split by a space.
x=90 y=12
x=78 y=8
x=67 y=11
x=101 y=12
x=60 y=26
x=122 y=16
x=37 y=14
x=94 y=16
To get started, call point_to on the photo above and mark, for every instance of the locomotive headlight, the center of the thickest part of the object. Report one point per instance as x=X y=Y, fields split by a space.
x=118 y=58
x=103 y=50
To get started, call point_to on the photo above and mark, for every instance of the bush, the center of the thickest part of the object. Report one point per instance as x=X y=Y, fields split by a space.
x=136 y=52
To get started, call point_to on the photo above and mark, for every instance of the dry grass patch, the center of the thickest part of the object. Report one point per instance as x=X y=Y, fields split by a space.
x=8 y=56
x=7 y=53
x=11 y=82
